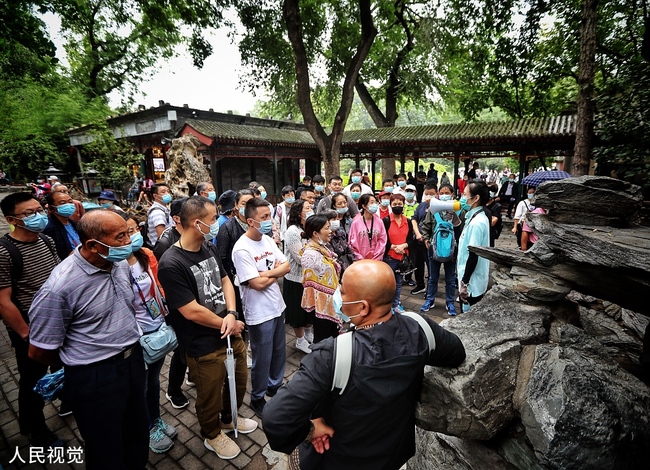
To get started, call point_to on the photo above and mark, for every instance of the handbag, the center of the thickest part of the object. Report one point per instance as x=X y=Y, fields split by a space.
x=406 y=266
x=157 y=344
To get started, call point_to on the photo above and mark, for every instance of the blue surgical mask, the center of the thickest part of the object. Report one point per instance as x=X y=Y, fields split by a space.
x=65 y=210
x=116 y=253
x=355 y=195
x=373 y=208
x=492 y=194
x=445 y=197
x=401 y=184
x=242 y=211
x=385 y=202
x=35 y=223
x=335 y=225
x=410 y=196
x=167 y=198
x=463 y=204
x=309 y=214
x=531 y=196
x=342 y=210
x=319 y=188
x=389 y=189
x=265 y=226
x=106 y=205
x=356 y=179
x=337 y=303
x=214 y=230
x=263 y=194
x=136 y=241
x=290 y=200
x=212 y=195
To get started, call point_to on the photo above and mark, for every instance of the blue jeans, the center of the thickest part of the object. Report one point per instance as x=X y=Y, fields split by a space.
x=268 y=348
x=152 y=390
x=394 y=265
x=434 y=275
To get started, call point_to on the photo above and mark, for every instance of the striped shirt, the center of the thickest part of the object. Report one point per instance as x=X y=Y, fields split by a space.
x=85 y=312
x=38 y=263
x=158 y=215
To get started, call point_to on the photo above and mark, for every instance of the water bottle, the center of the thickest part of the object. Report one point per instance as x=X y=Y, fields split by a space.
x=465 y=307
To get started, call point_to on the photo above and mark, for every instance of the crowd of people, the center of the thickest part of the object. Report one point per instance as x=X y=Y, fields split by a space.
x=96 y=286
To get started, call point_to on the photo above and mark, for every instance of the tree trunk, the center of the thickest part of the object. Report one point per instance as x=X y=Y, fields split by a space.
x=586 y=105
x=329 y=145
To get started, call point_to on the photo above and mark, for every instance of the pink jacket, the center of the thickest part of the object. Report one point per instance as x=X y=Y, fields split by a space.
x=360 y=242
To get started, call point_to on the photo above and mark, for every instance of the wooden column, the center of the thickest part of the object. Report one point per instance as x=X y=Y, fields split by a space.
x=454 y=177
x=522 y=169
x=276 y=188
x=373 y=160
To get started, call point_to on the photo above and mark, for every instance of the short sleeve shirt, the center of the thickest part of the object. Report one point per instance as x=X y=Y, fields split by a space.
x=186 y=276
x=157 y=215
x=85 y=312
x=249 y=258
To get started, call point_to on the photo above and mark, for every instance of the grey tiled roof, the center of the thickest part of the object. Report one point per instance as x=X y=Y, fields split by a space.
x=245 y=132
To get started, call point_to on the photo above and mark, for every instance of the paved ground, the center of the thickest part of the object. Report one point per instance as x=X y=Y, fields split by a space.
x=188 y=452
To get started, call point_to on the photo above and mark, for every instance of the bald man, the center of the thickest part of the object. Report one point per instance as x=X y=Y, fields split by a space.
x=371 y=423
x=89 y=295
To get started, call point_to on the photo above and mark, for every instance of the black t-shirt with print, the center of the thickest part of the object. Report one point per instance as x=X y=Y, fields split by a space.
x=187 y=276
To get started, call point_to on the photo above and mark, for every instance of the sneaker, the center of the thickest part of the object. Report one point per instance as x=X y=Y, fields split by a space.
x=64 y=409
x=451 y=310
x=258 y=406
x=189 y=383
x=223 y=446
x=244 y=426
x=309 y=334
x=303 y=345
x=410 y=282
x=418 y=290
x=399 y=309
x=159 y=442
x=249 y=361
x=178 y=402
x=169 y=430
x=271 y=392
x=427 y=306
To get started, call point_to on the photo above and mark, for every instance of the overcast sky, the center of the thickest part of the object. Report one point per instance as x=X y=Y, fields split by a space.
x=178 y=82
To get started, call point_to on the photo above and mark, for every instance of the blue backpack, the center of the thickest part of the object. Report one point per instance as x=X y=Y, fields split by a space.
x=443 y=242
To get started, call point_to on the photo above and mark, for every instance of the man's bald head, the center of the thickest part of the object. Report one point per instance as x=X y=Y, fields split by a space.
x=369 y=280
x=97 y=224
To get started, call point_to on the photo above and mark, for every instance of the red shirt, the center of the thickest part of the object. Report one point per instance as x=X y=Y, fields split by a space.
x=397 y=235
x=383 y=212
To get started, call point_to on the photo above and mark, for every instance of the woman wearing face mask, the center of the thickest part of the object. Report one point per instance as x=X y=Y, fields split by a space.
x=149 y=310
x=473 y=271
x=355 y=192
x=428 y=228
x=523 y=207
x=292 y=289
x=494 y=206
x=367 y=232
x=339 y=240
x=320 y=277
x=399 y=232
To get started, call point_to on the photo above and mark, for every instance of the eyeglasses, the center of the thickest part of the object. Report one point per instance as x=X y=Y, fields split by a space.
x=30 y=213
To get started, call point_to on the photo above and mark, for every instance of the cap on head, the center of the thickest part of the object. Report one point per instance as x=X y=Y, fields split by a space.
x=175 y=207
x=227 y=200
x=409 y=187
x=107 y=195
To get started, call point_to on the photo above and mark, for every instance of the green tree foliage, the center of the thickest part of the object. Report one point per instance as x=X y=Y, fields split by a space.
x=113 y=44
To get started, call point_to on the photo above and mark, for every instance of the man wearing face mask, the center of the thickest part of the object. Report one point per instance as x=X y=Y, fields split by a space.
x=60 y=227
x=89 y=295
x=324 y=427
x=259 y=264
x=202 y=310
x=355 y=178
x=206 y=189
x=17 y=289
x=158 y=217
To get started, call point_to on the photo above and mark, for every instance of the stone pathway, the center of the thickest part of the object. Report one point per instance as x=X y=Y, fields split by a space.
x=188 y=452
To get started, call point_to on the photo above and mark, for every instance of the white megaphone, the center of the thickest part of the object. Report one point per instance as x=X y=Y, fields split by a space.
x=436 y=205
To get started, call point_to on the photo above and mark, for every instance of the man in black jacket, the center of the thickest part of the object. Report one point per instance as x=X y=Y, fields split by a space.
x=371 y=423
x=509 y=194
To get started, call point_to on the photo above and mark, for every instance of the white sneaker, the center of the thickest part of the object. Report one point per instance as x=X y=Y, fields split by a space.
x=244 y=426
x=309 y=334
x=189 y=383
x=303 y=345
x=223 y=446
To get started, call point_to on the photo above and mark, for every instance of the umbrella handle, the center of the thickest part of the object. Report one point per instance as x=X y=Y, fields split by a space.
x=228 y=339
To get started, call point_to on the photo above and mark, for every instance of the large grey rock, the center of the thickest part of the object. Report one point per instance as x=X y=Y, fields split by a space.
x=186 y=168
x=583 y=411
x=475 y=400
x=534 y=284
x=590 y=200
x=437 y=451
x=635 y=322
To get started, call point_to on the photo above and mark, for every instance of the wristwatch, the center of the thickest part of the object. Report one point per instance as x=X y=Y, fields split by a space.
x=234 y=312
x=310 y=434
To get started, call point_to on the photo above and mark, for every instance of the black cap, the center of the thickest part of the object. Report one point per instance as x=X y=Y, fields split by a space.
x=227 y=200
x=175 y=208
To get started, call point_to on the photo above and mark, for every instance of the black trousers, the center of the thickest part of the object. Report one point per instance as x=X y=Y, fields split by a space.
x=30 y=403
x=108 y=402
x=420 y=260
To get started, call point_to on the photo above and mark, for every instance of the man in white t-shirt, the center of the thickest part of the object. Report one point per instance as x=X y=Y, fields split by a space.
x=259 y=263
x=355 y=177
